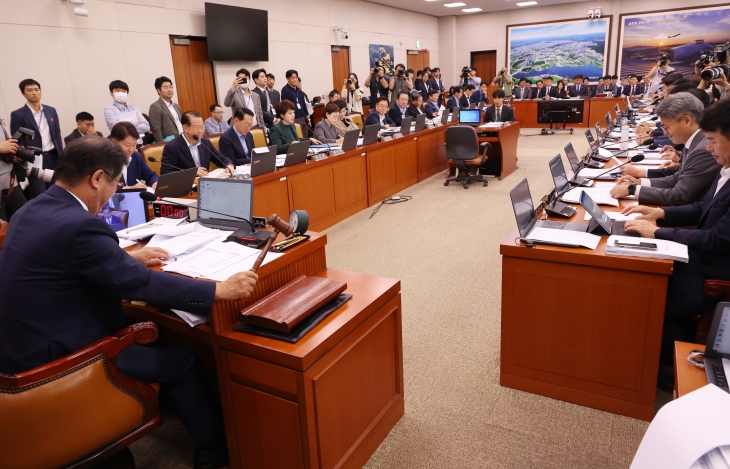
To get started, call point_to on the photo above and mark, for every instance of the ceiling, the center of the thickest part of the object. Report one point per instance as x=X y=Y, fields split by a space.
x=437 y=8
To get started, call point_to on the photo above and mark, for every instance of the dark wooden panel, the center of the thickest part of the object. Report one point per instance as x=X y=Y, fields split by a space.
x=340 y=67
x=486 y=64
x=381 y=171
x=350 y=183
x=193 y=76
x=406 y=161
x=313 y=190
x=599 y=108
x=431 y=155
x=267 y=428
x=271 y=197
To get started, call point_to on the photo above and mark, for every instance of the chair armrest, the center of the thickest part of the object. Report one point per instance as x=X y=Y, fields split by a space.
x=717 y=287
x=486 y=146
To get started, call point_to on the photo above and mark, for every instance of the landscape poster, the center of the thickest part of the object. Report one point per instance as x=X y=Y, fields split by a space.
x=682 y=35
x=382 y=56
x=560 y=49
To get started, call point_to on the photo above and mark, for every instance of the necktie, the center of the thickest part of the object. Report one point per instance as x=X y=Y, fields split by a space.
x=108 y=221
x=632 y=90
x=499 y=115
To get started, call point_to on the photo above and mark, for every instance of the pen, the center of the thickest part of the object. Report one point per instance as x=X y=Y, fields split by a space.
x=141 y=182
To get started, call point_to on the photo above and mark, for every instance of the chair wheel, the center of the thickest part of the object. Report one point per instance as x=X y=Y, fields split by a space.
x=486 y=183
x=446 y=183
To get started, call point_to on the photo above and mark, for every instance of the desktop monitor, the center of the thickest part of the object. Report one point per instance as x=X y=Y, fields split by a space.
x=469 y=116
x=236 y=33
x=231 y=198
x=125 y=209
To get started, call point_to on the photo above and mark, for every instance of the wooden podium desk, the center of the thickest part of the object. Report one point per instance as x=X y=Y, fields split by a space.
x=600 y=106
x=687 y=377
x=503 y=146
x=582 y=326
x=352 y=359
x=594 y=110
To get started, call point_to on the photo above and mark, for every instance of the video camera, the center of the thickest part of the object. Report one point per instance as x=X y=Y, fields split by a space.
x=465 y=72
x=721 y=52
x=706 y=58
x=26 y=154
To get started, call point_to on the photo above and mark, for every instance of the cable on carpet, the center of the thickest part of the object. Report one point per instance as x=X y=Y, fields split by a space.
x=396 y=199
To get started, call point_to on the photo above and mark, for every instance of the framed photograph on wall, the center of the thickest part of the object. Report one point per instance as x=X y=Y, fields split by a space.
x=382 y=56
x=680 y=35
x=559 y=49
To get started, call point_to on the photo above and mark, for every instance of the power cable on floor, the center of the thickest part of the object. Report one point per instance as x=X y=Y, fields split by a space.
x=396 y=199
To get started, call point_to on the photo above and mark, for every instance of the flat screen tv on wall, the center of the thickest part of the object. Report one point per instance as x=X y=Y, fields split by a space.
x=236 y=33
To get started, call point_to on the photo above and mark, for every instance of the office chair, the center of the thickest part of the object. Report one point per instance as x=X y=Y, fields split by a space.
x=462 y=151
x=78 y=410
x=357 y=120
x=215 y=140
x=259 y=137
x=154 y=150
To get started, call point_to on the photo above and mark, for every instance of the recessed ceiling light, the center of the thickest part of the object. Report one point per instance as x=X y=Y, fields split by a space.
x=471 y=10
x=452 y=5
x=526 y=4
x=431 y=0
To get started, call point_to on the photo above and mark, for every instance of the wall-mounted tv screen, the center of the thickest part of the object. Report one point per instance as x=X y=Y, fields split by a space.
x=236 y=33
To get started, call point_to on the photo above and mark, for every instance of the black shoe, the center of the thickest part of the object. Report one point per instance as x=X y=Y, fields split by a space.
x=213 y=455
x=665 y=380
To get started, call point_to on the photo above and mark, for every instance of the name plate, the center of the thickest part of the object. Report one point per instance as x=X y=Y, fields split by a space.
x=387 y=138
x=319 y=156
x=430 y=126
x=397 y=135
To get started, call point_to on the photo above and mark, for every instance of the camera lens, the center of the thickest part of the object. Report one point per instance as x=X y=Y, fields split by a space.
x=710 y=74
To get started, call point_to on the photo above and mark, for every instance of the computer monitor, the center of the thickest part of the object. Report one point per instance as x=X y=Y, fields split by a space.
x=125 y=209
x=469 y=116
x=524 y=210
x=572 y=157
x=229 y=197
x=557 y=170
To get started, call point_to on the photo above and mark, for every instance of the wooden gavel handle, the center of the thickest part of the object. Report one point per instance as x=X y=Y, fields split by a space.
x=261 y=257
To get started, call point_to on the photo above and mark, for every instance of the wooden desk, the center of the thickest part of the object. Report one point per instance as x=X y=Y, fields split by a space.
x=503 y=146
x=687 y=377
x=582 y=326
x=594 y=110
x=600 y=106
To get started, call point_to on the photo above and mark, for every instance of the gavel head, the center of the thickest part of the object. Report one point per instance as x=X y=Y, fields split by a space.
x=280 y=225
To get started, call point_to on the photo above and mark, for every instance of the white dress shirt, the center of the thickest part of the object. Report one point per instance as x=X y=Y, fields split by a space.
x=82 y=204
x=248 y=102
x=194 y=152
x=724 y=176
x=45 y=130
x=175 y=117
x=647 y=181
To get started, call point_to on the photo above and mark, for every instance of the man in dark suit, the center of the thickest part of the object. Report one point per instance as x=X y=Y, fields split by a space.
x=136 y=174
x=164 y=113
x=432 y=106
x=578 y=89
x=267 y=105
x=523 y=91
x=435 y=83
x=62 y=289
x=379 y=115
x=112 y=220
x=190 y=149
x=455 y=98
x=498 y=112
x=634 y=88
x=275 y=96
x=43 y=119
x=465 y=100
x=548 y=90
x=84 y=127
x=479 y=95
x=236 y=143
x=399 y=109
x=416 y=107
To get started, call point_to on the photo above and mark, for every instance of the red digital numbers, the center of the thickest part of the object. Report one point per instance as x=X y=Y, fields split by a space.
x=171 y=211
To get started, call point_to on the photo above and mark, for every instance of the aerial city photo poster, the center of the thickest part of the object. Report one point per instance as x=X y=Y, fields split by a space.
x=682 y=35
x=559 y=49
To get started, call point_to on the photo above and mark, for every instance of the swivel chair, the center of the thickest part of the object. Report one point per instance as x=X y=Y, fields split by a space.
x=462 y=152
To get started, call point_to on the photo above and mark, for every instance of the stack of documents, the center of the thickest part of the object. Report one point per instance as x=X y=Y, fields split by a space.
x=665 y=249
x=280 y=159
x=565 y=237
x=219 y=173
x=597 y=173
x=600 y=195
x=190 y=318
x=158 y=225
x=186 y=243
x=243 y=170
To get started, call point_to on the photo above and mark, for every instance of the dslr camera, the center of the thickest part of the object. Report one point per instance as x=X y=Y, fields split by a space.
x=721 y=52
x=465 y=73
x=663 y=60
x=27 y=155
x=706 y=58
x=714 y=72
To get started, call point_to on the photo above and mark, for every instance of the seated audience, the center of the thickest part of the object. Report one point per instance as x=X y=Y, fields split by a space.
x=240 y=95
x=343 y=124
x=633 y=88
x=432 y=106
x=547 y=91
x=379 y=115
x=284 y=133
x=84 y=127
x=236 y=143
x=190 y=149
x=164 y=113
x=465 y=100
x=333 y=96
x=215 y=124
x=498 y=112
x=539 y=85
x=119 y=110
x=480 y=95
x=422 y=84
x=562 y=91
x=455 y=98
x=416 y=107
x=605 y=86
x=326 y=131
x=135 y=173
x=523 y=90
x=399 y=109
x=578 y=89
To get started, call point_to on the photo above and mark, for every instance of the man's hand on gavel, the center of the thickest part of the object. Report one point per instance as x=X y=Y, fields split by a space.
x=237 y=286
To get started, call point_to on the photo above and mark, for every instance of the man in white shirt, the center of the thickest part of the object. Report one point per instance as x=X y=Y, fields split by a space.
x=215 y=124
x=266 y=96
x=164 y=113
x=121 y=110
x=657 y=74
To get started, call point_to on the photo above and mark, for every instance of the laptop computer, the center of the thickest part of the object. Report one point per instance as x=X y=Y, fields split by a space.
x=472 y=117
x=405 y=125
x=420 y=122
x=230 y=198
x=527 y=220
x=594 y=147
x=556 y=208
x=482 y=106
x=297 y=153
x=349 y=141
x=263 y=161
x=601 y=220
x=599 y=137
x=126 y=209
x=575 y=166
x=609 y=121
x=445 y=116
x=455 y=116
x=370 y=134
x=177 y=183
x=717 y=350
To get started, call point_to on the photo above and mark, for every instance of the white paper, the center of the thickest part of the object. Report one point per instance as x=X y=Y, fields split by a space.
x=617 y=146
x=672 y=440
x=491 y=125
x=665 y=249
x=219 y=173
x=597 y=173
x=578 y=238
x=600 y=195
x=244 y=169
x=604 y=153
x=183 y=244
x=125 y=243
x=280 y=160
x=648 y=154
x=618 y=216
x=145 y=230
x=258 y=150
x=190 y=318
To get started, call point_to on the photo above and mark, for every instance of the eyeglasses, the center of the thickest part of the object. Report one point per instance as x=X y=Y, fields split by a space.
x=118 y=181
x=666 y=127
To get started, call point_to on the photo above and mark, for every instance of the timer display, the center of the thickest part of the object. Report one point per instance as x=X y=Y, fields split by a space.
x=170 y=210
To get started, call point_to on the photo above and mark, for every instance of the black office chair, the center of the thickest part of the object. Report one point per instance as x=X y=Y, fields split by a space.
x=462 y=152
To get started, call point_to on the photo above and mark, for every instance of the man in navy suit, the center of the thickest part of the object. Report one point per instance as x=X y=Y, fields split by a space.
x=499 y=112
x=548 y=90
x=435 y=83
x=709 y=257
x=432 y=106
x=465 y=100
x=62 y=289
x=578 y=89
x=190 y=149
x=379 y=115
x=236 y=143
x=136 y=173
x=399 y=109
x=43 y=119
x=112 y=220
x=455 y=98
x=480 y=95
x=634 y=88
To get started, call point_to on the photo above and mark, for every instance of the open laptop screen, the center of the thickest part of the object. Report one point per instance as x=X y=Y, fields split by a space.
x=231 y=197
x=598 y=133
x=595 y=211
x=559 y=178
x=591 y=142
x=125 y=209
x=469 y=116
x=718 y=339
x=572 y=157
x=522 y=205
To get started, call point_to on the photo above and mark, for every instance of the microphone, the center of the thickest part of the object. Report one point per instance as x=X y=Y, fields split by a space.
x=650 y=142
x=150 y=197
x=152 y=159
x=633 y=159
x=196 y=138
x=654 y=118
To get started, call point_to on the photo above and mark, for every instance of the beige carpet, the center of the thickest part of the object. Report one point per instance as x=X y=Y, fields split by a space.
x=444 y=247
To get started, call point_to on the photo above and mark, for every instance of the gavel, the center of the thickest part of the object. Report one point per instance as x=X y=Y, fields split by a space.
x=280 y=226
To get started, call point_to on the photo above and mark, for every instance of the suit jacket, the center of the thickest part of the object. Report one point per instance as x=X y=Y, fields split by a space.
x=576 y=91
x=553 y=92
x=464 y=101
x=414 y=111
x=114 y=221
x=507 y=114
x=518 y=93
x=421 y=86
x=138 y=169
x=618 y=90
x=177 y=153
x=434 y=83
x=237 y=100
x=432 y=109
x=264 y=100
x=76 y=134
x=477 y=97
x=374 y=119
x=602 y=89
x=212 y=127
x=62 y=289
x=637 y=91
x=23 y=117
x=282 y=136
x=395 y=115
x=709 y=256
x=452 y=103
x=162 y=123
x=690 y=183
x=232 y=148
x=276 y=97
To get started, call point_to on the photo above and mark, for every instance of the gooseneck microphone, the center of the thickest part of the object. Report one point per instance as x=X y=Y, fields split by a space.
x=152 y=159
x=633 y=159
x=650 y=142
x=225 y=165
x=150 y=197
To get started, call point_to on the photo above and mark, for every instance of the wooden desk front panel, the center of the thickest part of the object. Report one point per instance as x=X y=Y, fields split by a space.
x=599 y=108
x=431 y=154
x=392 y=168
x=271 y=197
x=567 y=335
x=526 y=112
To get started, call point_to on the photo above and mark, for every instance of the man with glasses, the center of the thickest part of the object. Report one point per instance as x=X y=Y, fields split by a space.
x=215 y=124
x=680 y=114
x=237 y=143
x=379 y=116
x=190 y=149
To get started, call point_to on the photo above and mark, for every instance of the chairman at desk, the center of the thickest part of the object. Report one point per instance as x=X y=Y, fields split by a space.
x=62 y=289
x=190 y=149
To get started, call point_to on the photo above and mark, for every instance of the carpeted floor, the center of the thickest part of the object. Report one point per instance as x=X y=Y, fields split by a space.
x=444 y=247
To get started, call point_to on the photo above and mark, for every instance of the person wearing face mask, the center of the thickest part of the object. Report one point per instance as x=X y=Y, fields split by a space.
x=164 y=113
x=351 y=94
x=135 y=173
x=121 y=111
x=191 y=150
x=240 y=95
x=343 y=124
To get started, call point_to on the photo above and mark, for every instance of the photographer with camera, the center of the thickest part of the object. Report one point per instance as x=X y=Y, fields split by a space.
x=469 y=76
x=378 y=84
x=505 y=82
x=715 y=70
x=657 y=74
x=400 y=83
x=11 y=198
x=351 y=94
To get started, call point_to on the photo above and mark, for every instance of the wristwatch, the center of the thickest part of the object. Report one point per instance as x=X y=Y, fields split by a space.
x=632 y=189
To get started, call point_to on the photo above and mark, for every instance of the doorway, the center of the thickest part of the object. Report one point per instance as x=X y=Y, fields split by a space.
x=194 y=85
x=486 y=64
x=340 y=66
x=418 y=59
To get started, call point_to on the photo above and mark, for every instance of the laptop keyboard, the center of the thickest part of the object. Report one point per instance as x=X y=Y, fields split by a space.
x=555 y=225
x=719 y=373
x=618 y=229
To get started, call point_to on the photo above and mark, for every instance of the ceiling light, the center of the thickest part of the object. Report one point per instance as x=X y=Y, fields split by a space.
x=471 y=10
x=452 y=5
x=526 y=4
